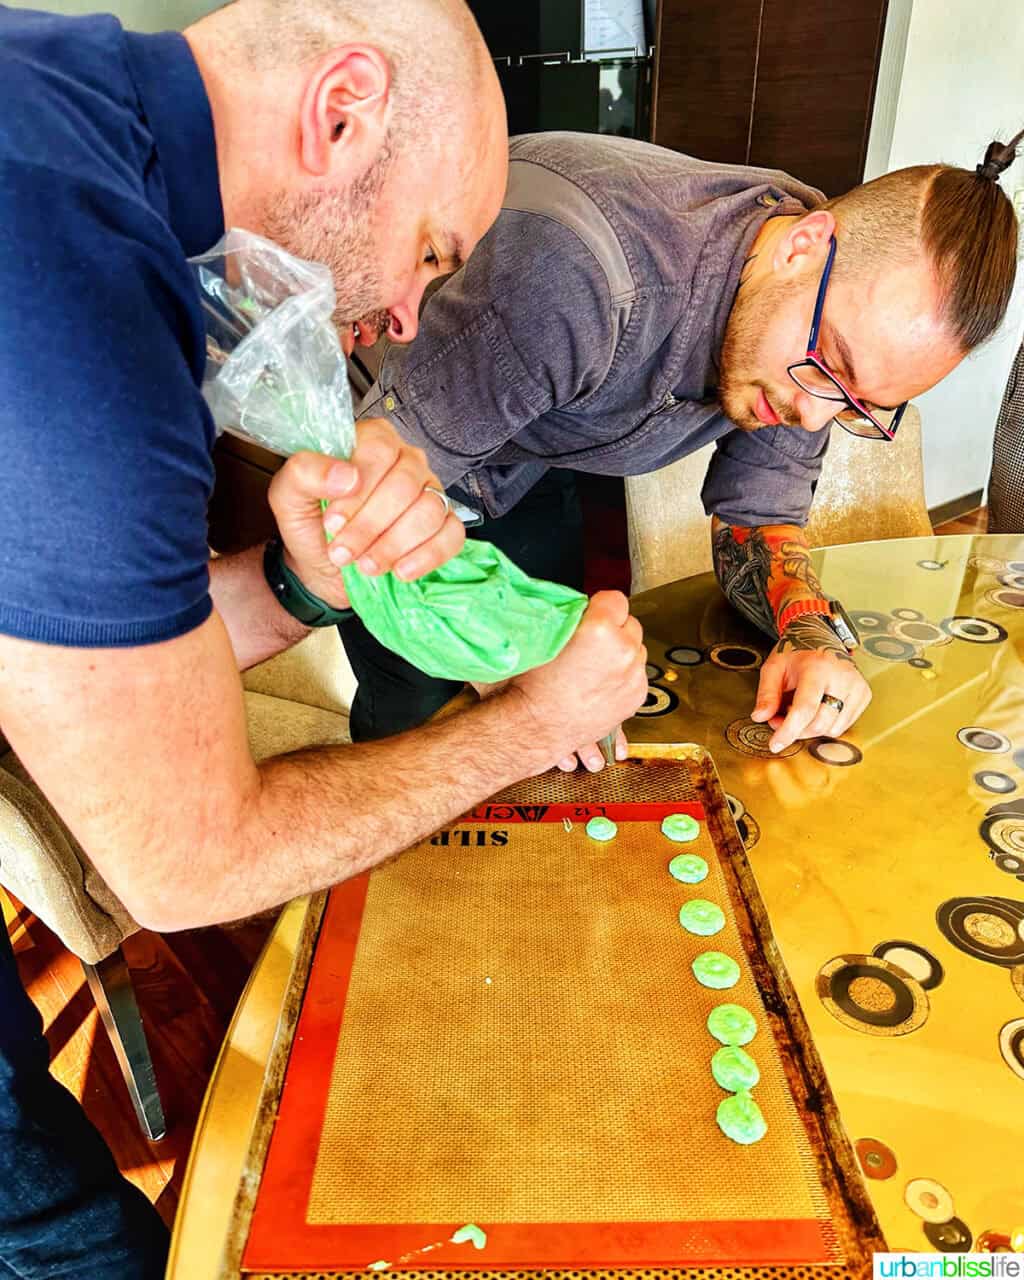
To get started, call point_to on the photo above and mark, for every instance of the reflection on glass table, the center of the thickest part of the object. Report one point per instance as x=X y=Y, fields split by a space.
x=892 y=862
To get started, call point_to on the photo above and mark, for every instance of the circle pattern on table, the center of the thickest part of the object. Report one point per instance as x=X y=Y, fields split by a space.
x=683 y=655
x=872 y=996
x=986 y=929
x=914 y=959
x=736 y=807
x=867 y=620
x=1013 y=580
x=889 y=648
x=1002 y=829
x=654 y=672
x=1011 y=1046
x=978 y=738
x=922 y=664
x=975 y=630
x=836 y=751
x=1000 y=784
x=987 y=564
x=920 y=633
x=933 y=565
x=876 y=1159
x=735 y=657
x=908 y=615
x=659 y=702
x=953 y=1236
x=752 y=740
x=749 y=829
x=1017 y=979
x=929 y=1200
x=1006 y=597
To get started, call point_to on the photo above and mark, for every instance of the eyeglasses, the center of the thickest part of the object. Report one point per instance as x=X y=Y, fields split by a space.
x=812 y=375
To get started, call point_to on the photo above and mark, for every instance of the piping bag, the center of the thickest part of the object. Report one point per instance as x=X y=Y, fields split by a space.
x=276 y=375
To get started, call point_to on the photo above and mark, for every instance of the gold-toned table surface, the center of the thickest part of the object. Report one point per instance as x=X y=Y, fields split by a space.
x=911 y=832
x=897 y=852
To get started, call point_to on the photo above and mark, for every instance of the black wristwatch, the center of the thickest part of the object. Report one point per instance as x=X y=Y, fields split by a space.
x=292 y=596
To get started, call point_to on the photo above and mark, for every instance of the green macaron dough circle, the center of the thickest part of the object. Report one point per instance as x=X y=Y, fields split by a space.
x=732 y=1024
x=690 y=868
x=602 y=829
x=701 y=917
x=734 y=1069
x=680 y=827
x=739 y=1118
x=716 y=970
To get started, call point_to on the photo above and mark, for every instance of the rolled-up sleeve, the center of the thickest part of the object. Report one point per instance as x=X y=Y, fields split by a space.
x=524 y=327
x=765 y=477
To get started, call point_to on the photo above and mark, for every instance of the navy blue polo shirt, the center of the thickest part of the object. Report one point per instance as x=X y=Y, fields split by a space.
x=108 y=182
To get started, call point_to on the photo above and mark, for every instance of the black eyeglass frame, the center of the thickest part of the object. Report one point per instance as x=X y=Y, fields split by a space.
x=872 y=428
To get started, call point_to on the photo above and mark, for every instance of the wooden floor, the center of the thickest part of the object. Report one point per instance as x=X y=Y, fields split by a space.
x=187 y=986
x=975 y=521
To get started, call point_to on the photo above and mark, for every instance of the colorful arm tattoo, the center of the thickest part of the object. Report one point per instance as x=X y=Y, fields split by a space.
x=766 y=569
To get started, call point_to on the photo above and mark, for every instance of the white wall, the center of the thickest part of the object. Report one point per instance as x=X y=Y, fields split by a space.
x=961 y=87
x=140 y=15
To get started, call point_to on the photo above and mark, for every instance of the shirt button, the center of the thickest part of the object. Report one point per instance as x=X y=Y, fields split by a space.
x=389 y=403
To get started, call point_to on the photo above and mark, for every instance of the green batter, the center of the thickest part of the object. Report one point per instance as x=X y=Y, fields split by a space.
x=734 y=1069
x=716 y=970
x=739 y=1118
x=680 y=827
x=602 y=829
x=701 y=917
x=471 y=1234
x=732 y=1024
x=689 y=868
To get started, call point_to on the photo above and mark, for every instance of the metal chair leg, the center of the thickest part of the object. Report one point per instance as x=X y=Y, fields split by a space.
x=111 y=986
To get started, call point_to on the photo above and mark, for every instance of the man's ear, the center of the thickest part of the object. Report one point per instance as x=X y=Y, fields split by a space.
x=343 y=111
x=805 y=243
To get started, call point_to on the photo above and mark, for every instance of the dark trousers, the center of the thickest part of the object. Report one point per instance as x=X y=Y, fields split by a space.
x=65 y=1210
x=543 y=534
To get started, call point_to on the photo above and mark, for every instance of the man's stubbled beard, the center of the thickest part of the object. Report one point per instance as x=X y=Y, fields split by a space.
x=336 y=228
x=749 y=321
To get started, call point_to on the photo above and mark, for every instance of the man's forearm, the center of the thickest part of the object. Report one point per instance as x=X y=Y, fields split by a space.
x=256 y=623
x=324 y=814
x=765 y=570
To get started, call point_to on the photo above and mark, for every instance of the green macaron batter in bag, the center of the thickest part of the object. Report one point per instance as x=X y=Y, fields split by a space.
x=276 y=375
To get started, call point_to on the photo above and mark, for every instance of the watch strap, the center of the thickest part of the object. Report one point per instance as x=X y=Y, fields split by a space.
x=291 y=594
x=831 y=611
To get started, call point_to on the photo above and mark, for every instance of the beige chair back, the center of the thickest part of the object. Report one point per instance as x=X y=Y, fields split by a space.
x=867 y=490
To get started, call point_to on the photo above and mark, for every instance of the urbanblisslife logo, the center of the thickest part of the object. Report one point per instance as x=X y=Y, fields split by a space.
x=948 y=1266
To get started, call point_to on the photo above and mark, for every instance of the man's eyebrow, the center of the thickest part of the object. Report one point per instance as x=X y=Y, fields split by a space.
x=839 y=342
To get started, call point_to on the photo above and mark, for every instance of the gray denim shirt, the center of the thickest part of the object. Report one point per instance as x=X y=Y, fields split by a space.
x=585 y=330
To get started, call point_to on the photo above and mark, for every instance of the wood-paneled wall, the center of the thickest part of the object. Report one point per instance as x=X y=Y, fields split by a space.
x=787 y=84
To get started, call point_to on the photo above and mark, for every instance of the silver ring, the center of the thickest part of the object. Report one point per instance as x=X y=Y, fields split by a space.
x=441 y=496
x=829 y=700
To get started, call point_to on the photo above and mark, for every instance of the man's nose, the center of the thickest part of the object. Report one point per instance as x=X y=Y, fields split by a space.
x=405 y=316
x=815 y=412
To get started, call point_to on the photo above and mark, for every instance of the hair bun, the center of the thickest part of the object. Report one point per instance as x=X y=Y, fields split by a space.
x=998 y=156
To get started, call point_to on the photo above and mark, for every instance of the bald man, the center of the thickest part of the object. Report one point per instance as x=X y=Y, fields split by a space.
x=374 y=142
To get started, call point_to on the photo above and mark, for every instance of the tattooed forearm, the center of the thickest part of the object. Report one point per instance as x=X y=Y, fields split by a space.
x=764 y=570
x=743 y=566
x=810 y=632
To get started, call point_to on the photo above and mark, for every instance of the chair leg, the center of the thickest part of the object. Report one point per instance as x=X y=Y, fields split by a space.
x=111 y=986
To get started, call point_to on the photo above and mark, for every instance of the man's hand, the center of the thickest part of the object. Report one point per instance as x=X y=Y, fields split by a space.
x=808 y=662
x=597 y=681
x=380 y=513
